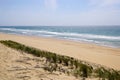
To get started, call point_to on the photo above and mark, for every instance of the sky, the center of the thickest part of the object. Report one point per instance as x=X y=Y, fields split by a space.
x=59 y=12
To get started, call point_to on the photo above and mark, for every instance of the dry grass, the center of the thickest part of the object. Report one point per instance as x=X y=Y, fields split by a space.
x=70 y=66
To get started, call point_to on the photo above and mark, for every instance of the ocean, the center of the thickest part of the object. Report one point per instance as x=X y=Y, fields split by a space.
x=100 y=35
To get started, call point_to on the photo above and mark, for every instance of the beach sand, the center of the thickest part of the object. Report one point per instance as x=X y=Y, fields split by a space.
x=106 y=56
x=16 y=65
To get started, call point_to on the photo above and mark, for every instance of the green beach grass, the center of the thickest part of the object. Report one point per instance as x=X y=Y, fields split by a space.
x=79 y=68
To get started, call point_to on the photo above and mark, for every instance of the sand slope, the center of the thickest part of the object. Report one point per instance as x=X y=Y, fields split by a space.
x=109 y=57
x=15 y=65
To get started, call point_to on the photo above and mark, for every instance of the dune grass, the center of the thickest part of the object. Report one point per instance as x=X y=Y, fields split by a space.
x=80 y=68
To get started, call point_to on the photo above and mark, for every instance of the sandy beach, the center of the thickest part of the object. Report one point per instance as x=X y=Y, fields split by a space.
x=16 y=65
x=105 y=56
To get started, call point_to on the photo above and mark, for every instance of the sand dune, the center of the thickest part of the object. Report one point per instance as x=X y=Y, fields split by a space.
x=15 y=65
x=106 y=56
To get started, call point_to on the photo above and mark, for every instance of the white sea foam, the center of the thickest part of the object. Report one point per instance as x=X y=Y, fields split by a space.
x=64 y=34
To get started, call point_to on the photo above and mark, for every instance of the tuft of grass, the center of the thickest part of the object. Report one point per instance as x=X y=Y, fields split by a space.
x=80 y=69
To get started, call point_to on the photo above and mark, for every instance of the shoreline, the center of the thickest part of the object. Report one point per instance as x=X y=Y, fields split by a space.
x=81 y=42
x=102 y=55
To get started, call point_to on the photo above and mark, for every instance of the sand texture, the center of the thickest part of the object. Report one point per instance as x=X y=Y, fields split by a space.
x=109 y=57
x=16 y=65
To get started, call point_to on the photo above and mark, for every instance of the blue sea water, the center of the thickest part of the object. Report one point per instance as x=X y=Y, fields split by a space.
x=101 y=35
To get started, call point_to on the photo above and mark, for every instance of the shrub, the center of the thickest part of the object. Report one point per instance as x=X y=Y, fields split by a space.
x=80 y=69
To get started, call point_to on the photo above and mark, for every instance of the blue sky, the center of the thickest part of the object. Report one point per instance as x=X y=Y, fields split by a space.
x=59 y=12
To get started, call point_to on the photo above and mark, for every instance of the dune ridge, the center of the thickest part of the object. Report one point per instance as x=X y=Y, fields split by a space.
x=105 y=56
x=65 y=64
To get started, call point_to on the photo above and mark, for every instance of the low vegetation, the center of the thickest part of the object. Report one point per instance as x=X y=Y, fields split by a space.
x=77 y=67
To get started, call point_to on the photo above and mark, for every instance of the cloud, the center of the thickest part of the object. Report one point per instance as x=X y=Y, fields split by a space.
x=52 y=4
x=104 y=3
x=101 y=17
x=102 y=12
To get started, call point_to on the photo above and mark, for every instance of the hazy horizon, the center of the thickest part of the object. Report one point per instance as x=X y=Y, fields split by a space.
x=59 y=12
x=60 y=25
